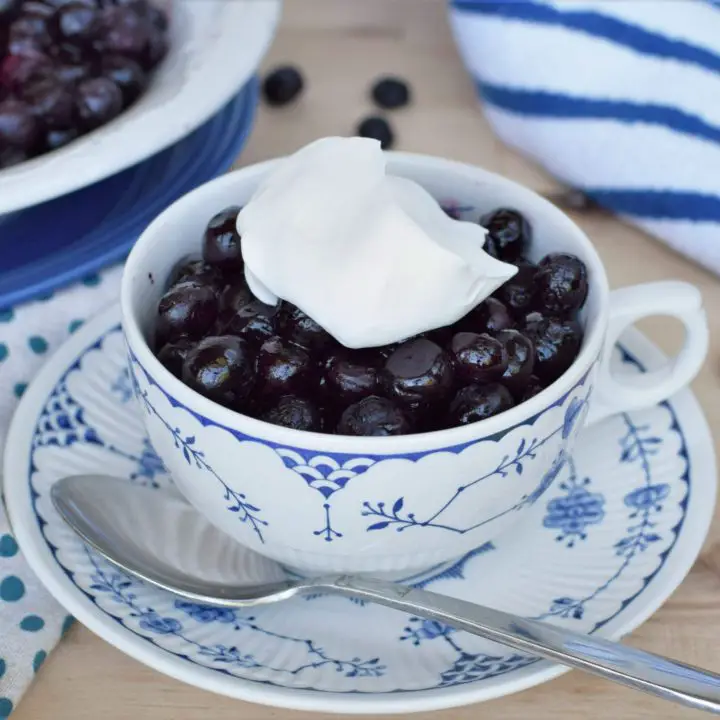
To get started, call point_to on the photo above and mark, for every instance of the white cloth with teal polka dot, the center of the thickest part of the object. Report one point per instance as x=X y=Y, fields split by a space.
x=31 y=621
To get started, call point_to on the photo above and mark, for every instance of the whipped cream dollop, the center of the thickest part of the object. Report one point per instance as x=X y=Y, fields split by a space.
x=371 y=257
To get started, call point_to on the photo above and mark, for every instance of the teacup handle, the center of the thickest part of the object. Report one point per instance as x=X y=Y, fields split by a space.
x=613 y=394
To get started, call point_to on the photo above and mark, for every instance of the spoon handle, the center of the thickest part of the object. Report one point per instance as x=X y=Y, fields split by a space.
x=665 y=678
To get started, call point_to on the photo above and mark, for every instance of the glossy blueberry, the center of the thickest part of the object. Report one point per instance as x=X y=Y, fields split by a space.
x=374 y=416
x=97 y=101
x=562 y=283
x=478 y=402
x=200 y=273
x=509 y=234
x=252 y=320
x=282 y=85
x=51 y=101
x=284 y=368
x=391 y=93
x=186 y=309
x=172 y=355
x=518 y=293
x=18 y=127
x=17 y=71
x=490 y=316
x=221 y=243
x=55 y=139
x=122 y=31
x=221 y=368
x=377 y=128
x=298 y=327
x=29 y=33
x=156 y=49
x=293 y=412
x=557 y=344
x=77 y=23
x=73 y=73
x=419 y=371
x=351 y=375
x=127 y=75
x=479 y=358
x=521 y=359
x=532 y=388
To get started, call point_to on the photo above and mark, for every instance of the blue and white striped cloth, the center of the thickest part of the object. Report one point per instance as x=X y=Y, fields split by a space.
x=618 y=98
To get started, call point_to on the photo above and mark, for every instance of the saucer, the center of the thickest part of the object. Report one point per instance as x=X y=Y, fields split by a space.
x=610 y=540
x=66 y=239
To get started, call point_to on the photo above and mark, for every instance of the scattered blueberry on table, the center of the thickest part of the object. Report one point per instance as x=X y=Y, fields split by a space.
x=277 y=364
x=282 y=85
x=390 y=93
x=377 y=128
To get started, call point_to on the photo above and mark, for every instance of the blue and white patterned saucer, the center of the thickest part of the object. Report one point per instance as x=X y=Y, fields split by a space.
x=612 y=538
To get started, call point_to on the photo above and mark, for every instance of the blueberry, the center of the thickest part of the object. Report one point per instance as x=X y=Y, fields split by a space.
x=221 y=244
x=97 y=101
x=374 y=416
x=293 y=412
x=478 y=402
x=121 y=31
x=282 y=85
x=77 y=23
x=418 y=372
x=491 y=316
x=284 y=368
x=186 y=309
x=478 y=358
x=562 y=283
x=51 y=102
x=557 y=344
x=300 y=328
x=518 y=293
x=532 y=388
x=126 y=74
x=18 y=127
x=253 y=320
x=509 y=234
x=221 y=368
x=521 y=359
x=173 y=354
x=391 y=93
x=351 y=375
x=199 y=272
x=377 y=128
x=28 y=34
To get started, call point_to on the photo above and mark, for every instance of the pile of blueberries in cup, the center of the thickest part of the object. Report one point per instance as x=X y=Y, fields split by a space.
x=277 y=364
x=69 y=66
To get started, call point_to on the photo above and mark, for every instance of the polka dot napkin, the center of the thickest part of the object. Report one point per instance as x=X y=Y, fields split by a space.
x=31 y=621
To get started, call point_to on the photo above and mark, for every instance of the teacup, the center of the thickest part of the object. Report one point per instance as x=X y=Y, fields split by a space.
x=322 y=503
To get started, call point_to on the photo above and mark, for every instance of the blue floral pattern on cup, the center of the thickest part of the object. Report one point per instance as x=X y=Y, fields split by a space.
x=330 y=474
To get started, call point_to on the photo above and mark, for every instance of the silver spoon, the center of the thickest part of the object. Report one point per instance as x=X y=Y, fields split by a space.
x=162 y=540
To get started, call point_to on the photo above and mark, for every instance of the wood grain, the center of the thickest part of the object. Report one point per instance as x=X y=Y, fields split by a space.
x=342 y=45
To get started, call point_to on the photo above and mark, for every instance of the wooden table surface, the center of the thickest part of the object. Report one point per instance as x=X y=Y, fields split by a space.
x=341 y=46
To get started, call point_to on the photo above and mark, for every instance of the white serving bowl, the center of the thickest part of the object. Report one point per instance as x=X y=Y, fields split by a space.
x=327 y=503
x=215 y=46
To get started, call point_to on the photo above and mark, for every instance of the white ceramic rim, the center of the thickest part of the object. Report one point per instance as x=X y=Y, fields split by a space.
x=702 y=465
x=128 y=140
x=398 y=444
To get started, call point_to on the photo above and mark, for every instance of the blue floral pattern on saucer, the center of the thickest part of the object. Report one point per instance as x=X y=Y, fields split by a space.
x=598 y=546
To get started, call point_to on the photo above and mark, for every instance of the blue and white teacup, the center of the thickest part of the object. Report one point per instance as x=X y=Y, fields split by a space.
x=393 y=505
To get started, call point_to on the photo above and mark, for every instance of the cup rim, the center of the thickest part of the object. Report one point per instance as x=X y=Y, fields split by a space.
x=233 y=420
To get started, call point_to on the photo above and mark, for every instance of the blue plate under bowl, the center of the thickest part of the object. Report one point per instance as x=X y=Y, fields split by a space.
x=60 y=241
